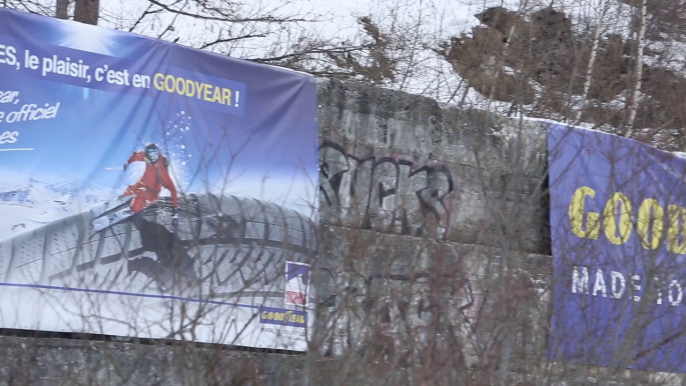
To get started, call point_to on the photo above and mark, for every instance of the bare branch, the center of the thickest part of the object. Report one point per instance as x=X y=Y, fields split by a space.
x=227 y=18
x=233 y=39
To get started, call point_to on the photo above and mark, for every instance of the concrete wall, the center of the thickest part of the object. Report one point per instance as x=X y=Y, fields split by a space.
x=407 y=186
x=393 y=162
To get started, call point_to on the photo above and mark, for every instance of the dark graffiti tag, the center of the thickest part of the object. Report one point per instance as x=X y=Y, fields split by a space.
x=385 y=193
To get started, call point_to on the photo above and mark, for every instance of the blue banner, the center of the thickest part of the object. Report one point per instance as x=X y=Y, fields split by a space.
x=619 y=255
x=143 y=182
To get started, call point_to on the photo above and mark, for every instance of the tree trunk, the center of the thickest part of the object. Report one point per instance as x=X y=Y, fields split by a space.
x=87 y=11
x=591 y=60
x=61 y=8
x=639 y=69
x=499 y=66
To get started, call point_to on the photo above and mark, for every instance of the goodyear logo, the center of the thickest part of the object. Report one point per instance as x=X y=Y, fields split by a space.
x=283 y=317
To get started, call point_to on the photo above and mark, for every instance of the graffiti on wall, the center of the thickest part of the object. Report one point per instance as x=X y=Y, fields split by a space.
x=385 y=193
x=388 y=310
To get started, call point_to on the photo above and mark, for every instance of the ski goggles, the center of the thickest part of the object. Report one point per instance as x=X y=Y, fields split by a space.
x=152 y=154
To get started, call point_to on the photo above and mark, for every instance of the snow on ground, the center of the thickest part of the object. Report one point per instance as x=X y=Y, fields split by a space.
x=28 y=203
x=672 y=55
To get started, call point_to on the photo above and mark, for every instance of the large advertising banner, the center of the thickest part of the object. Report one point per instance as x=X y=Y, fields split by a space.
x=617 y=216
x=152 y=190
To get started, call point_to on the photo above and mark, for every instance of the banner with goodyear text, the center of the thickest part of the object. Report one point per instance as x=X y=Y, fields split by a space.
x=617 y=216
x=152 y=190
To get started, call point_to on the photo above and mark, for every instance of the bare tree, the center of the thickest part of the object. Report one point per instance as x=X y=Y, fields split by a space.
x=601 y=12
x=86 y=11
x=62 y=9
x=639 y=67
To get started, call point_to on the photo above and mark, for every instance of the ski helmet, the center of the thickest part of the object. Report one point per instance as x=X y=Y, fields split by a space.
x=152 y=152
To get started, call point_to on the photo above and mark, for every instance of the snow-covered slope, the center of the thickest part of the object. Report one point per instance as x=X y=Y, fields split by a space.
x=30 y=203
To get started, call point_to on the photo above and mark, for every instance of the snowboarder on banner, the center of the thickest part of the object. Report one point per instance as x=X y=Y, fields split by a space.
x=156 y=176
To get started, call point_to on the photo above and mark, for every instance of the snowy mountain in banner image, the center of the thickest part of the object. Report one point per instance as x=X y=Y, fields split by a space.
x=31 y=203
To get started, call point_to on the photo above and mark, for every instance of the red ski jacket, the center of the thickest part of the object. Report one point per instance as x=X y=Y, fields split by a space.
x=156 y=176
